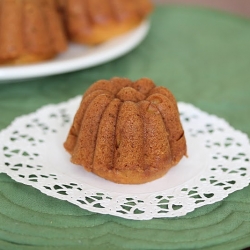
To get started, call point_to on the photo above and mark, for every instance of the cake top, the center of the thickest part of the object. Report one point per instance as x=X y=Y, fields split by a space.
x=127 y=90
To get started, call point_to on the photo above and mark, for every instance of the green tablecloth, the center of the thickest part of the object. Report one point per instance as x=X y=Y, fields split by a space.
x=203 y=56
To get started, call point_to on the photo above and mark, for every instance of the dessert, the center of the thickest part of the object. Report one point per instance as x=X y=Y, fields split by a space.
x=30 y=31
x=127 y=132
x=95 y=21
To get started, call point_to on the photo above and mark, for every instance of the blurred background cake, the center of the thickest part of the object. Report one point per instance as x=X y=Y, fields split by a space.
x=30 y=31
x=95 y=21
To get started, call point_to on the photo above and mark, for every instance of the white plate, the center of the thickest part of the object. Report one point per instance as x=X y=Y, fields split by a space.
x=78 y=57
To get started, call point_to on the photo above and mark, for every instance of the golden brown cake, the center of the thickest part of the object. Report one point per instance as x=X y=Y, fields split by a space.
x=95 y=21
x=30 y=31
x=127 y=132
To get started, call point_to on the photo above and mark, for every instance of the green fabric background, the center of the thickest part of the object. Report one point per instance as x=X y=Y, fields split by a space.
x=203 y=56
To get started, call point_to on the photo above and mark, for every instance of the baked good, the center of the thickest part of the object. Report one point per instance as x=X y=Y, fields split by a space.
x=127 y=132
x=30 y=31
x=95 y=21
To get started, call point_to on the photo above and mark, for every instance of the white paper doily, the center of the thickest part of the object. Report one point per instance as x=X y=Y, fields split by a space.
x=31 y=152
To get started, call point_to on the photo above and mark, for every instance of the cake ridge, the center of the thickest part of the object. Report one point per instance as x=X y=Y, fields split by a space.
x=113 y=132
x=90 y=120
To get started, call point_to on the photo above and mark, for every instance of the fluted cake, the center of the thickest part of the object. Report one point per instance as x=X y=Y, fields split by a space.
x=95 y=21
x=30 y=31
x=127 y=132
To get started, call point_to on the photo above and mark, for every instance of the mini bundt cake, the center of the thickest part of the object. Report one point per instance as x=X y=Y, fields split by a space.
x=95 y=21
x=127 y=132
x=30 y=31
